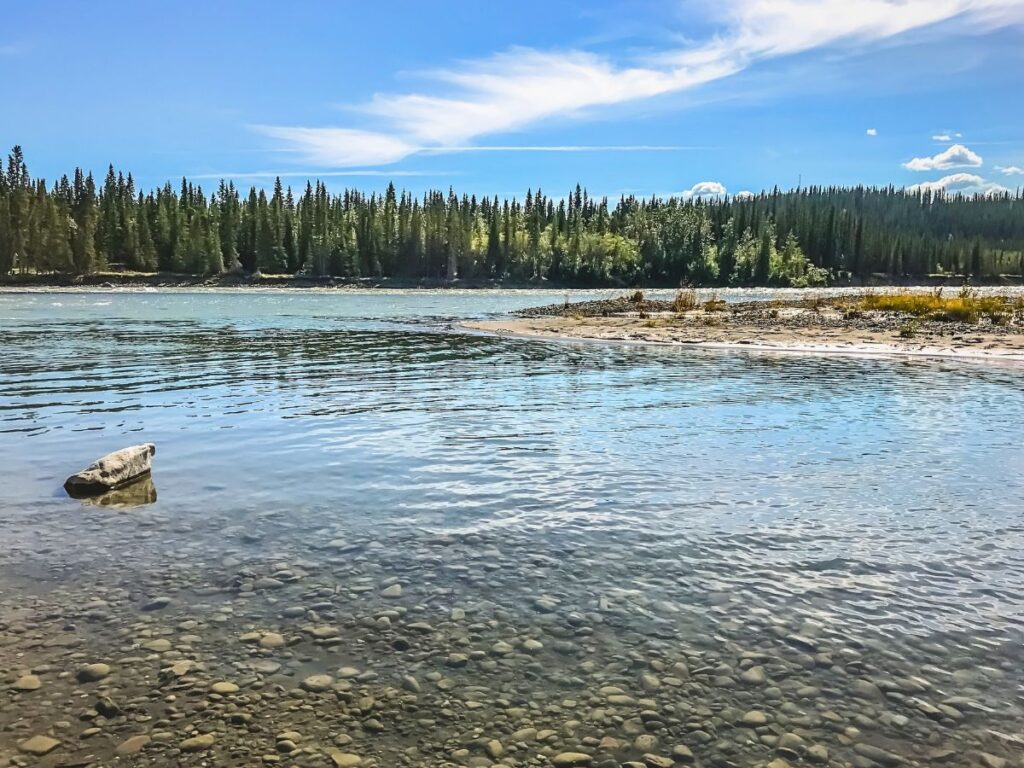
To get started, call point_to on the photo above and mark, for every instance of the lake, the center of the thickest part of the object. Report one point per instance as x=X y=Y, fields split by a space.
x=373 y=537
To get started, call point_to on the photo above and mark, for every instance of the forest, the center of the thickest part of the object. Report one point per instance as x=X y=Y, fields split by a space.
x=806 y=236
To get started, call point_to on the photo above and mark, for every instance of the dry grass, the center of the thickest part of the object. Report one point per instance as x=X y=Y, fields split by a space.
x=685 y=301
x=967 y=306
x=715 y=304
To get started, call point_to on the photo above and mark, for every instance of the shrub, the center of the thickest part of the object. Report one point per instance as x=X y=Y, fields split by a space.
x=685 y=301
x=637 y=297
x=965 y=307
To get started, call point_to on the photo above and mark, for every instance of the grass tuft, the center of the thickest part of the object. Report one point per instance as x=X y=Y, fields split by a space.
x=966 y=307
x=685 y=301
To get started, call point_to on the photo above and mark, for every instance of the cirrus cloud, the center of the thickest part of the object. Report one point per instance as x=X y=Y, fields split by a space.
x=520 y=87
x=956 y=156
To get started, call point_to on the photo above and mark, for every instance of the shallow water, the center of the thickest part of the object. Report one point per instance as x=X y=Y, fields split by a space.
x=658 y=520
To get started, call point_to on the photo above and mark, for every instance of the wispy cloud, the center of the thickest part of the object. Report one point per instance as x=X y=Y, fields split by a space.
x=946 y=137
x=956 y=156
x=320 y=174
x=872 y=131
x=960 y=183
x=561 y=148
x=520 y=87
x=1010 y=170
x=10 y=49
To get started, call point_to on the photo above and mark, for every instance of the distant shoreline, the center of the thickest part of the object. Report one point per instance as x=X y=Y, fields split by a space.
x=173 y=280
x=826 y=326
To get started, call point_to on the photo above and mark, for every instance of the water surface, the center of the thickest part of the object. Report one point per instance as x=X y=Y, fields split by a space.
x=837 y=522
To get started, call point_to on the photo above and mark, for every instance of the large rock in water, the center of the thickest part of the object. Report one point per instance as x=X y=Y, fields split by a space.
x=115 y=470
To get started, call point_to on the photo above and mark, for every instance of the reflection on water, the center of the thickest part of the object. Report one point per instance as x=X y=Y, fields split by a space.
x=834 y=543
x=136 y=494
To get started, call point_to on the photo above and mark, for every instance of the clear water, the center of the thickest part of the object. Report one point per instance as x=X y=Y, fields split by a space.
x=676 y=499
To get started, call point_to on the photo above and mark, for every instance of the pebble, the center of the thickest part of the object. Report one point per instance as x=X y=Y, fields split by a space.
x=133 y=745
x=755 y=718
x=345 y=759
x=271 y=640
x=198 y=743
x=565 y=759
x=28 y=683
x=39 y=745
x=317 y=683
x=224 y=688
x=92 y=673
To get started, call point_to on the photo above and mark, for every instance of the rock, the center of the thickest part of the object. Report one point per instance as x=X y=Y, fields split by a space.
x=133 y=745
x=271 y=640
x=28 y=683
x=682 y=754
x=395 y=590
x=817 y=754
x=494 y=749
x=344 y=759
x=755 y=718
x=877 y=754
x=992 y=761
x=115 y=470
x=39 y=745
x=198 y=743
x=223 y=688
x=317 y=683
x=571 y=758
x=157 y=603
x=90 y=673
x=657 y=761
x=753 y=676
x=160 y=645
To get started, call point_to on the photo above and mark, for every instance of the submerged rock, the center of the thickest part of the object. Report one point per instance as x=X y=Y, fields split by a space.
x=115 y=470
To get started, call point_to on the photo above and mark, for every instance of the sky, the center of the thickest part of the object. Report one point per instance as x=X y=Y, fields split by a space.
x=645 y=97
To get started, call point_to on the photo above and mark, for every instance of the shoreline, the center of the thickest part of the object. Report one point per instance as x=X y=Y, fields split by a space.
x=798 y=328
x=107 y=280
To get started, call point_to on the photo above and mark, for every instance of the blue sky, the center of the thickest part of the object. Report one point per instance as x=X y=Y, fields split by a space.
x=645 y=97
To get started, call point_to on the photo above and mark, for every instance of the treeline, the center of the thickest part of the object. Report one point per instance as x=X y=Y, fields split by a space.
x=801 y=237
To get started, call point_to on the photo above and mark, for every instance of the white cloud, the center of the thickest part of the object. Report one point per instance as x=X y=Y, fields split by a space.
x=514 y=89
x=942 y=137
x=744 y=194
x=872 y=131
x=960 y=183
x=956 y=156
x=705 y=189
x=1010 y=170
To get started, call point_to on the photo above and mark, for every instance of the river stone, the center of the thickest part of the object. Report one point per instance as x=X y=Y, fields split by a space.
x=115 y=470
x=90 y=673
x=755 y=718
x=571 y=758
x=133 y=745
x=345 y=759
x=28 y=683
x=317 y=683
x=198 y=743
x=39 y=745
x=224 y=688
x=271 y=640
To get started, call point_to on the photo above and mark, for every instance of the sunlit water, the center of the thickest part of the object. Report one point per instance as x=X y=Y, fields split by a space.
x=665 y=501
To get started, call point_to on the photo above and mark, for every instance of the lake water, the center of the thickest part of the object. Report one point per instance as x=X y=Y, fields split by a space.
x=500 y=551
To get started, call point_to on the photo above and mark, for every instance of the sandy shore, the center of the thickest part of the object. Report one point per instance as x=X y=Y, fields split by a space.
x=794 y=330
